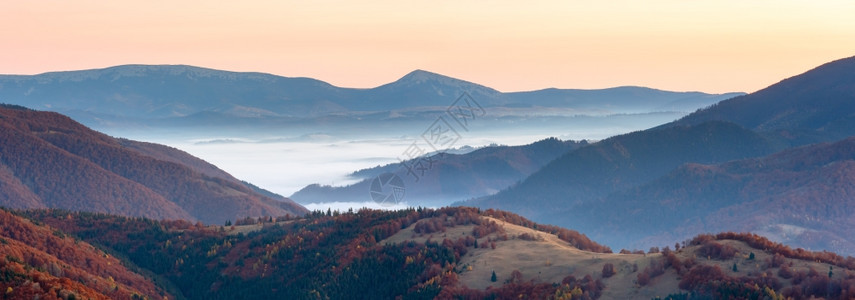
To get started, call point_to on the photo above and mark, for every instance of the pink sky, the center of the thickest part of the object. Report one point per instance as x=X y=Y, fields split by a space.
x=711 y=46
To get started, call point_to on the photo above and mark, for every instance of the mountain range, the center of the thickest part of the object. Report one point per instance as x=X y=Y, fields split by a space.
x=777 y=161
x=92 y=216
x=621 y=162
x=801 y=196
x=439 y=179
x=684 y=163
x=48 y=160
x=158 y=95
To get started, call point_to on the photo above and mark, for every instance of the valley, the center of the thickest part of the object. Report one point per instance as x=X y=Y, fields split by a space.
x=618 y=193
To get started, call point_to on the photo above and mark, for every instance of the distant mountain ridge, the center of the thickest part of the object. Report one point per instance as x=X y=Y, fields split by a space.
x=816 y=106
x=622 y=162
x=627 y=99
x=594 y=187
x=151 y=92
x=802 y=196
x=49 y=161
x=421 y=88
x=449 y=177
x=143 y=91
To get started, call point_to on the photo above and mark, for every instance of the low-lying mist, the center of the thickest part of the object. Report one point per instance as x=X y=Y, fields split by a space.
x=288 y=159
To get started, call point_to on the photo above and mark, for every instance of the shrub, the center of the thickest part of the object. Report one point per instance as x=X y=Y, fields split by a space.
x=716 y=250
x=608 y=270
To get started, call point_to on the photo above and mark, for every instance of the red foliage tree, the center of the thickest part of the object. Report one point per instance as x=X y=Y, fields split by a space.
x=700 y=275
x=608 y=270
x=716 y=250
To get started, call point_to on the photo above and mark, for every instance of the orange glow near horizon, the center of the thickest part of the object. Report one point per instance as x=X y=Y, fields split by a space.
x=710 y=46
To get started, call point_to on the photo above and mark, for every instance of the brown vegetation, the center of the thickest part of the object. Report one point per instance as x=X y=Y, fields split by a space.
x=608 y=270
x=48 y=160
x=44 y=262
x=348 y=252
x=573 y=237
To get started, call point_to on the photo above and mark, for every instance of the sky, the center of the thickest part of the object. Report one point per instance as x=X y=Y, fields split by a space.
x=683 y=45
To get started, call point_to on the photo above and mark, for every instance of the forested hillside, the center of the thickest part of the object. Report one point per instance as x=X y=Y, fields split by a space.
x=802 y=196
x=335 y=255
x=417 y=254
x=48 y=160
x=39 y=262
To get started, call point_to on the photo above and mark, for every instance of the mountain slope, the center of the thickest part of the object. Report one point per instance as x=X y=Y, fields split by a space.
x=625 y=99
x=801 y=196
x=449 y=177
x=622 y=162
x=449 y=253
x=41 y=262
x=321 y=255
x=48 y=160
x=766 y=121
x=37 y=167
x=818 y=105
x=166 y=153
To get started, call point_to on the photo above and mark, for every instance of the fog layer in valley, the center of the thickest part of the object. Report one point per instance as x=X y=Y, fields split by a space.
x=288 y=159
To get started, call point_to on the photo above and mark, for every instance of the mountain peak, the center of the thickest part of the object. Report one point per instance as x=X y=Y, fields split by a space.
x=421 y=76
x=438 y=83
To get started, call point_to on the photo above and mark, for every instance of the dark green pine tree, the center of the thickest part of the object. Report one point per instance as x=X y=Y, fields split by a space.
x=735 y=269
x=493 y=277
